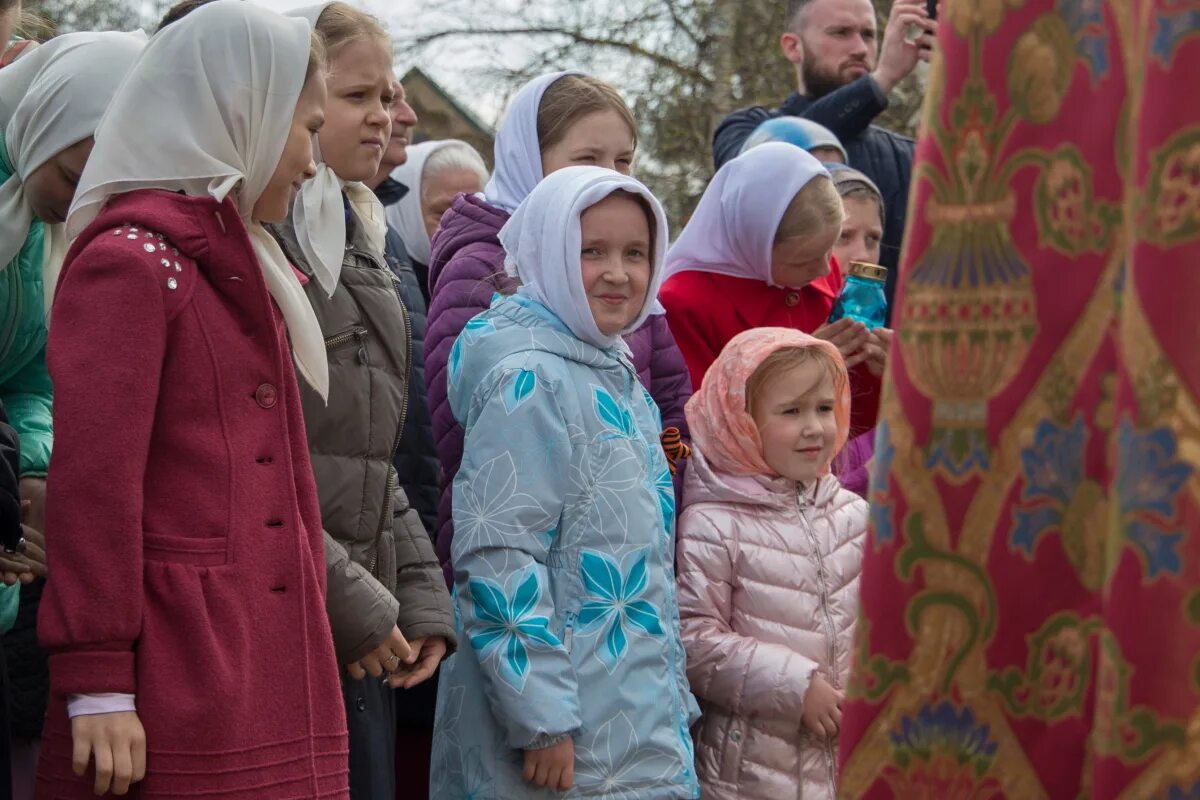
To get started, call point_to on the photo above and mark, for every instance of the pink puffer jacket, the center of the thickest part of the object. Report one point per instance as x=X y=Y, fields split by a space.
x=768 y=594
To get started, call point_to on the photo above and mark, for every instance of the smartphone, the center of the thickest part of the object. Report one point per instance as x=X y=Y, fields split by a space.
x=915 y=32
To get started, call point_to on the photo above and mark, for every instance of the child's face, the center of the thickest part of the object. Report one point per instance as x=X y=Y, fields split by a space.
x=50 y=188
x=296 y=161
x=599 y=139
x=800 y=260
x=861 y=232
x=615 y=258
x=358 y=115
x=795 y=419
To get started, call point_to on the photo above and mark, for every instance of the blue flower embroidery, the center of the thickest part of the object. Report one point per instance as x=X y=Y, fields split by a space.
x=1171 y=30
x=666 y=498
x=504 y=628
x=1149 y=477
x=944 y=728
x=1085 y=21
x=881 y=507
x=1053 y=470
x=518 y=388
x=614 y=605
x=1182 y=792
x=612 y=414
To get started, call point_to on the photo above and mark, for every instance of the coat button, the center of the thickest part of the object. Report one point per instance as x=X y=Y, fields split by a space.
x=736 y=736
x=266 y=396
x=361 y=703
x=791 y=299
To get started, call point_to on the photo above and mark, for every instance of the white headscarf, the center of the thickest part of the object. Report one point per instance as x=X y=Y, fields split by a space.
x=518 y=151
x=318 y=207
x=405 y=215
x=50 y=99
x=207 y=110
x=733 y=229
x=542 y=242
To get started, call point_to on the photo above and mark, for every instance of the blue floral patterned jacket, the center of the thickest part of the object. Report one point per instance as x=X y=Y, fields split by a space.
x=564 y=517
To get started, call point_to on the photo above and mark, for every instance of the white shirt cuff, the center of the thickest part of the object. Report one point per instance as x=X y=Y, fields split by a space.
x=82 y=705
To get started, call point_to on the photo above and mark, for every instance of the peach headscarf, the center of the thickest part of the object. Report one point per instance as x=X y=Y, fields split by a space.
x=720 y=425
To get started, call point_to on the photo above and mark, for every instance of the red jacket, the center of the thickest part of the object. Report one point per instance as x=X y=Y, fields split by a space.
x=705 y=310
x=186 y=552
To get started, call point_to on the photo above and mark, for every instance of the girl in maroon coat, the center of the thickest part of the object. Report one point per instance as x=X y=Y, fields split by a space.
x=190 y=652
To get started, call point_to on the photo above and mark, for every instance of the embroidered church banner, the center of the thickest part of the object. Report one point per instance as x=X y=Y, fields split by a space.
x=1031 y=589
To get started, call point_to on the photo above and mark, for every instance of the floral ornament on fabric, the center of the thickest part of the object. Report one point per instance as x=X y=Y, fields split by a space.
x=476 y=327
x=614 y=415
x=720 y=425
x=665 y=488
x=881 y=508
x=615 y=765
x=518 y=388
x=942 y=751
x=614 y=607
x=506 y=627
x=1149 y=477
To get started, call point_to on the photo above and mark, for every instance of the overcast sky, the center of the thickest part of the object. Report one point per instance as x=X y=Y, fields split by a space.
x=468 y=60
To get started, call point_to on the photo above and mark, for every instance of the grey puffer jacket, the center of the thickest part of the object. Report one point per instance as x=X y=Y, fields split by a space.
x=380 y=561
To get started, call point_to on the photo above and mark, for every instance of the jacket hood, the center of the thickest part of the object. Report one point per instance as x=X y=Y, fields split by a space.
x=469 y=220
x=518 y=326
x=703 y=483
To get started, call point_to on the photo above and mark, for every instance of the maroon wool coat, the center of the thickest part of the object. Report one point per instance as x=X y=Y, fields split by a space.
x=184 y=536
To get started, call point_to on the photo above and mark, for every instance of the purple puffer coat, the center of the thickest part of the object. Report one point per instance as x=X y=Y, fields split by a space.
x=465 y=270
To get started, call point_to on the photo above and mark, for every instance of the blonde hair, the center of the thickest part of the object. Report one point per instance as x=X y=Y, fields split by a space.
x=340 y=24
x=786 y=358
x=815 y=208
x=572 y=97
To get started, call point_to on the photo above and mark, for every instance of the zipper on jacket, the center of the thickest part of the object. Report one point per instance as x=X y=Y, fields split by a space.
x=830 y=632
x=357 y=334
x=393 y=479
x=568 y=630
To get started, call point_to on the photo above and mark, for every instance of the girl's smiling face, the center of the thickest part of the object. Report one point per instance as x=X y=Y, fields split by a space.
x=615 y=257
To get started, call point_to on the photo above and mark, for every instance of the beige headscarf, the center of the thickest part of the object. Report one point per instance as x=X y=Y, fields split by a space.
x=206 y=110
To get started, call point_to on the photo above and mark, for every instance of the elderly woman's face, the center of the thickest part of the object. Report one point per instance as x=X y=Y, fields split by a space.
x=439 y=190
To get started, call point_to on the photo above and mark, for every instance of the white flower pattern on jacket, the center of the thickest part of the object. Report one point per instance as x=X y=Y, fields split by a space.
x=564 y=571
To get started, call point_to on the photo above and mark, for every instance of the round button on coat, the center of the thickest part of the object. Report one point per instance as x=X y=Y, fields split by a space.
x=791 y=299
x=266 y=395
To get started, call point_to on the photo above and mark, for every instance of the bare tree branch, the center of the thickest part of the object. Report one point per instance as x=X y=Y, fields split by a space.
x=576 y=37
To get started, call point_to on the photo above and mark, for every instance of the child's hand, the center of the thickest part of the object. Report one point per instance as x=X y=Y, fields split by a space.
x=877 y=351
x=822 y=708
x=28 y=563
x=552 y=768
x=387 y=657
x=849 y=336
x=430 y=652
x=119 y=744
